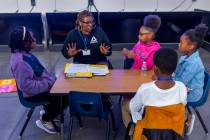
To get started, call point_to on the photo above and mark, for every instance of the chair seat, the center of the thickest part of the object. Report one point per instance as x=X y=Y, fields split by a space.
x=33 y=104
x=195 y=104
x=27 y=103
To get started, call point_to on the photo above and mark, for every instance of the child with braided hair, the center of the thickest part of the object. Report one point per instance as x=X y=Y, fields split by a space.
x=190 y=69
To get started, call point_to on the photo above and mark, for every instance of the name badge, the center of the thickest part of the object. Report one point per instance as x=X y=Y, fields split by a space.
x=85 y=52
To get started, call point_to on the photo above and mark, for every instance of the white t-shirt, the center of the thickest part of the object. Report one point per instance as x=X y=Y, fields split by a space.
x=150 y=95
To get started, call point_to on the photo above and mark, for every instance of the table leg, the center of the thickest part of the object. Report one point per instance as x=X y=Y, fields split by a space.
x=62 y=118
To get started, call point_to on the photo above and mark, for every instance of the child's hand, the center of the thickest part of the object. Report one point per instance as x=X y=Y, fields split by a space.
x=125 y=52
x=128 y=53
x=131 y=54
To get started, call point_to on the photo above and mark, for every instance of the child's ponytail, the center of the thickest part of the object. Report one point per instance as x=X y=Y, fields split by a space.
x=197 y=34
x=200 y=31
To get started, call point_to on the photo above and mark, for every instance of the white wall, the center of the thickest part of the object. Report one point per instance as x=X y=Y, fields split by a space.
x=10 y=6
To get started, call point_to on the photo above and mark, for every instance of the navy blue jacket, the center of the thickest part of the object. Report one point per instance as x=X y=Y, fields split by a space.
x=93 y=42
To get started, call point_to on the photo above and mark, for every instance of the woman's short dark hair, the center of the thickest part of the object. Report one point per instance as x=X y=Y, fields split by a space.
x=197 y=34
x=166 y=60
x=20 y=38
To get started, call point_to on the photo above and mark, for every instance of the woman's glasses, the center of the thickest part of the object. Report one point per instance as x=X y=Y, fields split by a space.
x=88 y=22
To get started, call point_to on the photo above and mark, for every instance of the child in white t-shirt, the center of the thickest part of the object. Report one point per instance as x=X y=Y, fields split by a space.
x=162 y=92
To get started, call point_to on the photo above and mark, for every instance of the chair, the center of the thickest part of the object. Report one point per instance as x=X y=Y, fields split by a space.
x=161 y=123
x=202 y=101
x=89 y=104
x=31 y=106
x=110 y=66
x=128 y=63
x=27 y=104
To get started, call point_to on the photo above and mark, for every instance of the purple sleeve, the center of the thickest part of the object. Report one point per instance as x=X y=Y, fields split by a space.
x=29 y=83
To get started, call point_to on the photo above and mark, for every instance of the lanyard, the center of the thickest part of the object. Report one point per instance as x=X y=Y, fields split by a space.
x=85 y=40
x=34 y=59
x=165 y=79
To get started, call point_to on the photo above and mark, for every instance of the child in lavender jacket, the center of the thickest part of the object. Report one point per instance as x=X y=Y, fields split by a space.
x=31 y=77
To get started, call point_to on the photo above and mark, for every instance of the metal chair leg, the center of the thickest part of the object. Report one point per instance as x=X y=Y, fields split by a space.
x=80 y=121
x=201 y=120
x=26 y=122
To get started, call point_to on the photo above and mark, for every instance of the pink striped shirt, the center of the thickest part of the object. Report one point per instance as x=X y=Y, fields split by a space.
x=144 y=52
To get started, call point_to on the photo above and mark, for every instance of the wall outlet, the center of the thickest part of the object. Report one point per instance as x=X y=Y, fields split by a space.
x=33 y=2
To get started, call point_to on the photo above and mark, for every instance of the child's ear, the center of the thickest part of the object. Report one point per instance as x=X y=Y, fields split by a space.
x=154 y=73
x=155 y=69
x=192 y=47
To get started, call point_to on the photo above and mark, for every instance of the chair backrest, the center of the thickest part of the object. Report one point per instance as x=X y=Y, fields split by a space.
x=157 y=134
x=110 y=66
x=206 y=84
x=21 y=98
x=86 y=104
x=161 y=121
x=25 y=102
x=128 y=63
x=205 y=92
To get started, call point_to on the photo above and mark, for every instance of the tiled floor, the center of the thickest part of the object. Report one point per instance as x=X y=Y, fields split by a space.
x=13 y=113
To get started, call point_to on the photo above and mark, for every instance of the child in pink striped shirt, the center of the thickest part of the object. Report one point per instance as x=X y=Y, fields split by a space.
x=146 y=46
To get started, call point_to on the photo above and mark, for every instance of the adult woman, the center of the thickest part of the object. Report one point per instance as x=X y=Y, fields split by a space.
x=87 y=43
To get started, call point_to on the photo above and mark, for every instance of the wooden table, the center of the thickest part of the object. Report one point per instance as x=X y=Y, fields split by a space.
x=116 y=82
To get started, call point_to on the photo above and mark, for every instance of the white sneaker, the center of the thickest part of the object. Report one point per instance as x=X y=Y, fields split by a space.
x=46 y=126
x=41 y=112
x=190 y=125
